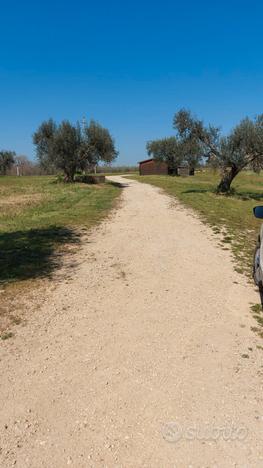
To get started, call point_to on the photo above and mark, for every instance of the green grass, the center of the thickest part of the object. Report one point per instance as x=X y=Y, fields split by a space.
x=229 y=215
x=38 y=202
x=6 y=335
x=39 y=216
x=256 y=311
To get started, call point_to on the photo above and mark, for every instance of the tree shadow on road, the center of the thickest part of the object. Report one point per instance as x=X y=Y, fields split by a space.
x=119 y=184
x=33 y=253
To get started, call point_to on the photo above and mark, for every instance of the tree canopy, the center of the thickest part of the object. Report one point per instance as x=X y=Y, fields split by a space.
x=242 y=148
x=183 y=148
x=71 y=148
x=43 y=139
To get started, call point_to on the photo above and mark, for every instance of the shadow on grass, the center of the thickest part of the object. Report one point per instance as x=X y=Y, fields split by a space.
x=32 y=254
x=248 y=195
x=198 y=191
x=232 y=193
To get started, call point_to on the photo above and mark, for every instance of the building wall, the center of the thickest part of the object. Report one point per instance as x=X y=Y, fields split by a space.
x=153 y=167
x=185 y=171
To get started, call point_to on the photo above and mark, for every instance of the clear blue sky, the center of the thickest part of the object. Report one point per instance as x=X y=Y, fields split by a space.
x=129 y=65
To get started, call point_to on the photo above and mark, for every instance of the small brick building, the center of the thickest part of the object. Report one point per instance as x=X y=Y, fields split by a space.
x=151 y=167
x=185 y=171
x=154 y=167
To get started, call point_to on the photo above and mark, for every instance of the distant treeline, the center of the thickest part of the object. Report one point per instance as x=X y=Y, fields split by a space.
x=23 y=166
x=116 y=169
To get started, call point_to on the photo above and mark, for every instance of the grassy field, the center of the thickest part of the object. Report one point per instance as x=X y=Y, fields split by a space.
x=39 y=221
x=229 y=215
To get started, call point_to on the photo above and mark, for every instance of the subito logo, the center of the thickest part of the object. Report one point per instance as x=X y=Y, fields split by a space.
x=172 y=432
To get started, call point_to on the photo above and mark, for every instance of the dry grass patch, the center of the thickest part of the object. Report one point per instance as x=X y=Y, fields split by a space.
x=40 y=221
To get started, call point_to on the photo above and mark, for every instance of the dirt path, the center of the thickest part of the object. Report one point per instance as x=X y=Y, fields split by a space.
x=137 y=360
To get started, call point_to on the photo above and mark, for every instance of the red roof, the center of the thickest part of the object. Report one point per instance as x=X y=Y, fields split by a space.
x=146 y=160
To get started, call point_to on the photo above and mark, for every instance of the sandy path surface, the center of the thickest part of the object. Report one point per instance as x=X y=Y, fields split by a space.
x=137 y=360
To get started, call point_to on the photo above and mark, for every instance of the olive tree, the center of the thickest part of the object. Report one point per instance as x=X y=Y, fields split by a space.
x=176 y=150
x=43 y=139
x=66 y=146
x=97 y=145
x=58 y=146
x=165 y=149
x=242 y=148
x=70 y=148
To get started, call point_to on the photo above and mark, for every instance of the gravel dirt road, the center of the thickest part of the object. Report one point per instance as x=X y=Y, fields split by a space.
x=143 y=358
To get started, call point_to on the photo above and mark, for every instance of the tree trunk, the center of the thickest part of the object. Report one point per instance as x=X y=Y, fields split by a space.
x=69 y=178
x=227 y=179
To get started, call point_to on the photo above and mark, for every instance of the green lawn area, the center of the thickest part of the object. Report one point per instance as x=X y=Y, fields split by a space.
x=229 y=215
x=39 y=217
